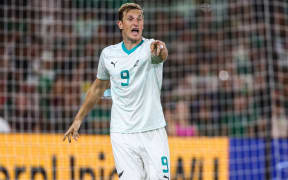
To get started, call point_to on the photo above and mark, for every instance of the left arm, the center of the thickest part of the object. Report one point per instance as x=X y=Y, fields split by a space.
x=159 y=52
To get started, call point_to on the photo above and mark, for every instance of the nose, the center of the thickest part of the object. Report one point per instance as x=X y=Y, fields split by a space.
x=135 y=22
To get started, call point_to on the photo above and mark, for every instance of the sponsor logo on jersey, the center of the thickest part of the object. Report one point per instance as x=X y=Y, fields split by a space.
x=136 y=64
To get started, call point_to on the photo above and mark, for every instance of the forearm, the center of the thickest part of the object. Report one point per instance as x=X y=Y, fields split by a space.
x=93 y=95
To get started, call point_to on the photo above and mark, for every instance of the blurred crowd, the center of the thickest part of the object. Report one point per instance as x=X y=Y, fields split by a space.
x=226 y=74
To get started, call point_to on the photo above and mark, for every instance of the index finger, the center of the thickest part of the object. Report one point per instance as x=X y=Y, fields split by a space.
x=66 y=135
x=64 y=138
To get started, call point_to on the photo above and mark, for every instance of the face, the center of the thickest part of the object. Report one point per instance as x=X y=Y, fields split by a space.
x=132 y=25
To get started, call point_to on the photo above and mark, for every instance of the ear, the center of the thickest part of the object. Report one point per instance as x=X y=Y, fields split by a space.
x=120 y=25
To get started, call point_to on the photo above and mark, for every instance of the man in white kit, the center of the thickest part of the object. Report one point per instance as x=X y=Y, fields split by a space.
x=133 y=69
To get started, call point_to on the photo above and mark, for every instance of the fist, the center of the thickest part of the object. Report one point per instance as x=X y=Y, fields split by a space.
x=157 y=47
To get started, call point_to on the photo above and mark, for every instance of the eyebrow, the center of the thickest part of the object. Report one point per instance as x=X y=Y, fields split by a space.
x=130 y=16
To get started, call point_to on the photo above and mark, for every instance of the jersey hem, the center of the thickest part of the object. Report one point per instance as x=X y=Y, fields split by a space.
x=104 y=79
x=140 y=131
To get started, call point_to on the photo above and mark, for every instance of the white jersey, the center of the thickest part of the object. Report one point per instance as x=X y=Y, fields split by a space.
x=135 y=87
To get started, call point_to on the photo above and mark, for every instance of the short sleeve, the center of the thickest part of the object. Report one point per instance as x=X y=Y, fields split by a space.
x=102 y=72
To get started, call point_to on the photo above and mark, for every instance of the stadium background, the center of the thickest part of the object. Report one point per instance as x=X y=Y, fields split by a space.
x=225 y=87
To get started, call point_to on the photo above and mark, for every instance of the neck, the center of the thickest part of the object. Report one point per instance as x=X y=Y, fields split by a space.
x=131 y=44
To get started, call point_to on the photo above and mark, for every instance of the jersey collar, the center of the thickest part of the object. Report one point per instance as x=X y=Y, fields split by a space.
x=131 y=50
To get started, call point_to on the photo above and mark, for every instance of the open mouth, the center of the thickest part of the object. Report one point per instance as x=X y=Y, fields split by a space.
x=135 y=31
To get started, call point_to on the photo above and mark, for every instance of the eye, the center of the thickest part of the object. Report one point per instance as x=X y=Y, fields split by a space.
x=140 y=18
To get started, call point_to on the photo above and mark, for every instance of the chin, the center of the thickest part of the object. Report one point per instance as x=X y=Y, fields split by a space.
x=135 y=39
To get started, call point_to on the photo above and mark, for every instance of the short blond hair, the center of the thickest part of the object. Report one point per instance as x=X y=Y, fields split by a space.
x=127 y=7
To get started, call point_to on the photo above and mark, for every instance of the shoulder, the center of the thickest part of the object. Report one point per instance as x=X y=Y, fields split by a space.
x=148 y=41
x=111 y=49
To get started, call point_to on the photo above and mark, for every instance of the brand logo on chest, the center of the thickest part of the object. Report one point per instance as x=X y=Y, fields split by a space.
x=114 y=63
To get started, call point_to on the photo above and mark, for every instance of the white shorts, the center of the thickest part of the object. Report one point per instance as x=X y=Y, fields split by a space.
x=142 y=156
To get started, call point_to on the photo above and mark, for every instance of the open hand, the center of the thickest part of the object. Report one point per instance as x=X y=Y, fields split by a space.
x=72 y=132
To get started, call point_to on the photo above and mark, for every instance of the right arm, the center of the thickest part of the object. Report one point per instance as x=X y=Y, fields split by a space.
x=94 y=94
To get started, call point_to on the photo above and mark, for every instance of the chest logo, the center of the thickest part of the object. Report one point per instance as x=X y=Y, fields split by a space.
x=114 y=63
